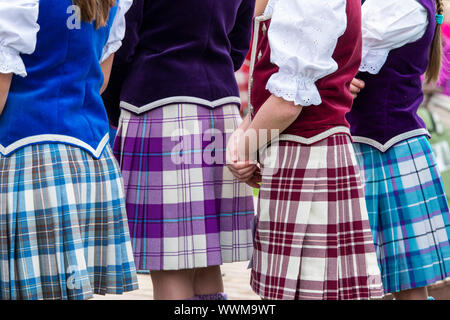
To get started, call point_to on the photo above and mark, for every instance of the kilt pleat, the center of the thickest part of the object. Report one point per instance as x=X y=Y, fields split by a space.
x=408 y=213
x=313 y=239
x=63 y=226
x=184 y=207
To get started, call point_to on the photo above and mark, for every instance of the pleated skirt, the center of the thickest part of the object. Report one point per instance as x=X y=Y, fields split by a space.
x=63 y=226
x=313 y=239
x=408 y=213
x=185 y=209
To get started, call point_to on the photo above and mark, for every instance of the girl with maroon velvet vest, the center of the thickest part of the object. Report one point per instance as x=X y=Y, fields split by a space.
x=407 y=207
x=313 y=238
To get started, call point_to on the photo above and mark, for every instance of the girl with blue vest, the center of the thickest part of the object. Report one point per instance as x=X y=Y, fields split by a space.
x=408 y=210
x=174 y=81
x=63 y=226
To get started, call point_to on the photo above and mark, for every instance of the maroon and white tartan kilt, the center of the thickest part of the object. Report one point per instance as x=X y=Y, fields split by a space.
x=313 y=238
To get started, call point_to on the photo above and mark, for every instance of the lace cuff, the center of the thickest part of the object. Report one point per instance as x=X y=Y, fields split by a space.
x=373 y=60
x=302 y=91
x=11 y=62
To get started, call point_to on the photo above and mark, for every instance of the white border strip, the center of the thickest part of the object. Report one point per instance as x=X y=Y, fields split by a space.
x=391 y=142
x=316 y=138
x=181 y=100
x=55 y=138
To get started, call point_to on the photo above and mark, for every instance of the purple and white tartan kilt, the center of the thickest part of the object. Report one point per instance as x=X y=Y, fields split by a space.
x=313 y=239
x=185 y=209
x=63 y=227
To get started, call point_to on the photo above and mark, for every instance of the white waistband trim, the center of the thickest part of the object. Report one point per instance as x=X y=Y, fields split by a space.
x=179 y=99
x=316 y=138
x=55 y=138
x=393 y=141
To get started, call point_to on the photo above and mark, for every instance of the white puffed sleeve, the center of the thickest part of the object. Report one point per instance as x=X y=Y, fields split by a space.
x=18 y=33
x=303 y=36
x=388 y=25
x=117 y=32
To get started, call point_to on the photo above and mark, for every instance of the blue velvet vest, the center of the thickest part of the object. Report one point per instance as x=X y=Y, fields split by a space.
x=59 y=101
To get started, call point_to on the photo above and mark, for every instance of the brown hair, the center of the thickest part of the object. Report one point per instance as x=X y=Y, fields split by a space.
x=434 y=66
x=97 y=10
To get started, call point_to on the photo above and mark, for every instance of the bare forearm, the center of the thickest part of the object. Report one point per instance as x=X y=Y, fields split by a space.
x=5 y=83
x=260 y=6
x=106 y=69
x=275 y=116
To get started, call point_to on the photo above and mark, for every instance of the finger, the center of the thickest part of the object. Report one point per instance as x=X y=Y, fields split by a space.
x=239 y=169
x=243 y=174
x=248 y=170
x=243 y=177
x=354 y=89
x=242 y=164
x=358 y=83
x=254 y=182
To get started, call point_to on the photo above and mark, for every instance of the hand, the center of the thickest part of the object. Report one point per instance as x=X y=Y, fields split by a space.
x=356 y=86
x=243 y=171
x=255 y=180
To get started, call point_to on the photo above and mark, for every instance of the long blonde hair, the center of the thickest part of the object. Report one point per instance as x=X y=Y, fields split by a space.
x=97 y=10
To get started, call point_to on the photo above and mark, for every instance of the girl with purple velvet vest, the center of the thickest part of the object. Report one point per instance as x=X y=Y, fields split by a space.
x=313 y=239
x=175 y=84
x=408 y=210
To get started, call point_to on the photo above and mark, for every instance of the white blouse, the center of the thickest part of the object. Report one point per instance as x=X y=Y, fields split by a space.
x=303 y=36
x=19 y=27
x=117 y=32
x=388 y=25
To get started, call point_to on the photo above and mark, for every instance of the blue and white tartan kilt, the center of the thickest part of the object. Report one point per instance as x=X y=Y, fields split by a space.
x=408 y=213
x=63 y=226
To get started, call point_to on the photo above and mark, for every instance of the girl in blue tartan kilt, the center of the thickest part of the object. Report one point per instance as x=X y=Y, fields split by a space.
x=408 y=209
x=63 y=226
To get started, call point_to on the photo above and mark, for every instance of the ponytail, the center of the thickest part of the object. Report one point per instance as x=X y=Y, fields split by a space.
x=97 y=10
x=434 y=67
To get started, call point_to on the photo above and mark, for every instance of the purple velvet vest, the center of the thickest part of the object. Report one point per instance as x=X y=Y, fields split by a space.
x=385 y=112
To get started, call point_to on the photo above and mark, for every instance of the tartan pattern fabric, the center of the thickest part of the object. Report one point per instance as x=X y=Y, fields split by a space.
x=63 y=226
x=184 y=207
x=313 y=239
x=408 y=213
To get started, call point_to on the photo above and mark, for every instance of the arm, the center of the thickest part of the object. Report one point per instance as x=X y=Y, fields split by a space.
x=5 y=83
x=117 y=31
x=106 y=69
x=16 y=39
x=241 y=33
x=302 y=46
x=126 y=32
x=388 y=25
x=122 y=59
x=260 y=7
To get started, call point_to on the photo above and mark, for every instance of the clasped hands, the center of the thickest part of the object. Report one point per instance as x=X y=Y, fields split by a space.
x=241 y=159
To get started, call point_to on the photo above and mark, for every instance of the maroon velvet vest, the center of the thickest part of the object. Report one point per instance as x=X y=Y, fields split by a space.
x=334 y=89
